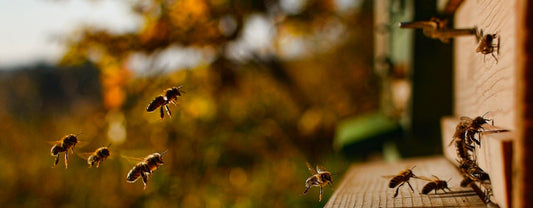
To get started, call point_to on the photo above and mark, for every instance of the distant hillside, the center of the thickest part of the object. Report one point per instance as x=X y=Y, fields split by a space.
x=45 y=89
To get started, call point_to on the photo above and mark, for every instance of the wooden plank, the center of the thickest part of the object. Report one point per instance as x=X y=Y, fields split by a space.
x=364 y=186
x=523 y=166
x=494 y=157
x=486 y=84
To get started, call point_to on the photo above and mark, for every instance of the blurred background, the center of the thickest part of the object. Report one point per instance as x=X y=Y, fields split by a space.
x=269 y=85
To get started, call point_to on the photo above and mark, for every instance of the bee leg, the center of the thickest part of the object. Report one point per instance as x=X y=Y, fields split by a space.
x=168 y=111
x=494 y=57
x=161 y=113
x=66 y=159
x=306 y=189
x=145 y=179
x=56 y=161
x=320 y=197
x=410 y=186
x=397 y=189
x=97 y=164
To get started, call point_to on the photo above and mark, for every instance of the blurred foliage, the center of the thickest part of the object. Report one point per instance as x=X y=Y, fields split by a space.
x=238 y=137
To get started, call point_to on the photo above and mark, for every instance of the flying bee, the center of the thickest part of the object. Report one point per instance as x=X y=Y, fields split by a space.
x=319 y=178
x=487 y=45
x=64 y=145
x=400 y=179
x=98 y=156
x=435 y=184
x=170 y=95
x=144 y=168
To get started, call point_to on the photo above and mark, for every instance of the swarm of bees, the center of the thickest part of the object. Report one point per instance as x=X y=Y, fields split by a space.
x=319 y=178
x=63 y=145
x=437 y=29
x=168 y=96
x=144 y=168
x=465 y=143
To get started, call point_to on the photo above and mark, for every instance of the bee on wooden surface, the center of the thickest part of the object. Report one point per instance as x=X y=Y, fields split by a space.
x=463 y=147
x=435 y=184
x=400 y=179
x=144 y=168
x=98 y=156
x=473 y=173
x=170 y=95
x=64 y=145
x=466 y=181
x=487 y=45
x=437 y=29
x=319 y=178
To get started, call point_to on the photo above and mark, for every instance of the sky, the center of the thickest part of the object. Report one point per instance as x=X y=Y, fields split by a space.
x=30 y=29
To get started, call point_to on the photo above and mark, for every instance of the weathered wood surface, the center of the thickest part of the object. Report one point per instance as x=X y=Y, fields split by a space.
x=364 y=186
x=482 y=83
x=494 y=156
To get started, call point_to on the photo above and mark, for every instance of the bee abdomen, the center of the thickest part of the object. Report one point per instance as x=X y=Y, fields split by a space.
x=56 y=149
x=133 y=175
x=395 y=181
x=429 y=187
x=92 y=159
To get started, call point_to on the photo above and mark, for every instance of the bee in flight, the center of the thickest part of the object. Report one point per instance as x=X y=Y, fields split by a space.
x=170 y=95
x=400 y=179
x=144 y=168
x=319 y=178
x=487 y=45
x=98 y=156
x=435 y=184
x=63 y=145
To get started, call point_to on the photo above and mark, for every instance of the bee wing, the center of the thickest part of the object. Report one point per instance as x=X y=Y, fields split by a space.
x=311 y=169
x=158 y=101
x=388 y=176
x=465 y=119
x=320 y=169
x=424 y=178
x=132 y=160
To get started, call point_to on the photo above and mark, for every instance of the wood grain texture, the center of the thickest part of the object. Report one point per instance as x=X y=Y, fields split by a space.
x=364 y=186
x=481 y=83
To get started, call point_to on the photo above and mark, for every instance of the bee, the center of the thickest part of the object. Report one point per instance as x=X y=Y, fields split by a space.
x=435 y=184
x=437 y=29
x=63 y=145
x=170 y=95
x=144 y=168
x=487 y=45
x=98 y=156
x=319 y=178
x=463 y=147
x=473 y=171
x=400 y=179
